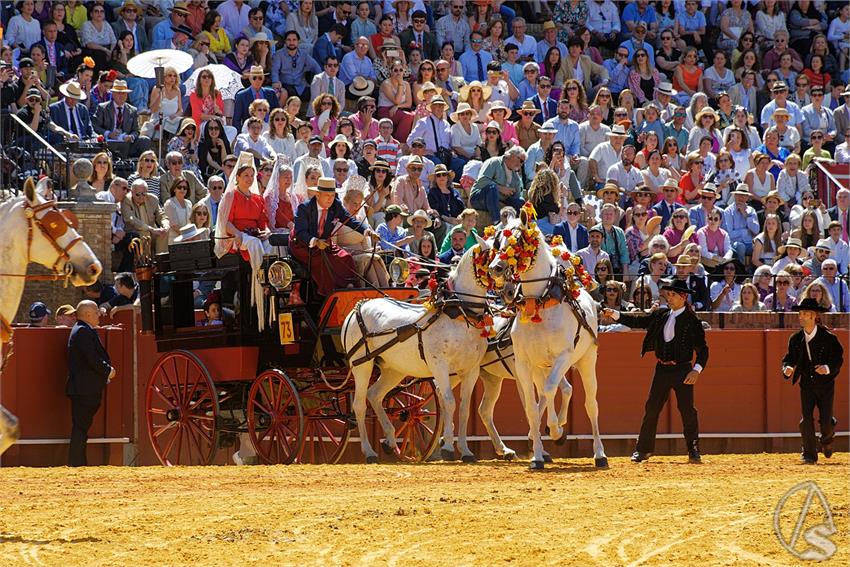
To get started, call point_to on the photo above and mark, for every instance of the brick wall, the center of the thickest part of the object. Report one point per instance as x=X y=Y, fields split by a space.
x=95 y=228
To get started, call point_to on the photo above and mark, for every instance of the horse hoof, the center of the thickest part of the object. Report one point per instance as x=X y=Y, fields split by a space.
x=372 y=460
x=509 y=456
x=536 y=466
x=560 y=441
x=386 y=447
x=601 y=462
x=547 y=458
x=447 y=455
x=469 y=459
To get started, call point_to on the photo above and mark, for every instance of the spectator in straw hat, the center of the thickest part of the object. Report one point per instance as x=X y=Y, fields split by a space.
x=130 y=15
x=255 y=91
x=818 y=256
x=117 y=121
x=435 y=131
x=163 y=33
x=526 y=128
x=741 y=222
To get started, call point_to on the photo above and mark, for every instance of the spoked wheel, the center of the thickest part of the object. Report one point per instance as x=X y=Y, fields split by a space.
x=415 y=413
x=275 y=419
x=182 y=409
x=326 y=424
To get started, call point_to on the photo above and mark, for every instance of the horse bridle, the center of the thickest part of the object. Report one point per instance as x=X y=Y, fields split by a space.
x=53 y=225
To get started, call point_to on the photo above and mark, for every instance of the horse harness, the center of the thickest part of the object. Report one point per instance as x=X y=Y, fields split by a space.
x=53 y=225
x=557 y=291
x=443 y=301
x=499 y=344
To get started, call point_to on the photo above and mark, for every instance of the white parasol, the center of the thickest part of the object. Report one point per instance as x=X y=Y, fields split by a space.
x=143 y=64
x=227 y=81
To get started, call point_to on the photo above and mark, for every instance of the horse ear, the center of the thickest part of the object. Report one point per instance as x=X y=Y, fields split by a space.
x=481 y=242
x=29 y=189
x=523 y=217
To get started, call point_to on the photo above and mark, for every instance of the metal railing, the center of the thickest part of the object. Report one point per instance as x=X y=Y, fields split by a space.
x=24 y=157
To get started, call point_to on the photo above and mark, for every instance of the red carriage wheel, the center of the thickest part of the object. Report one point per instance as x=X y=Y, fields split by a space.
x=275 y=419
x=182 y=409
x=326 y=423
x=415 y=413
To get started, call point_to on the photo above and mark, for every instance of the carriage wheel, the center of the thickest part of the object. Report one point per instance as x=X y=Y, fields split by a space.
x=182 y=409
x=415 y=413
x=275 y=420
x=326 y=426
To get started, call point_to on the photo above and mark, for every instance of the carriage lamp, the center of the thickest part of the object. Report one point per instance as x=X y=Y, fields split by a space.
x=399 y=270
x=279 y=275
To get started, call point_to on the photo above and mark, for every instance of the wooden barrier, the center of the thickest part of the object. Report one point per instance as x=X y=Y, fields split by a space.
x=741 y=398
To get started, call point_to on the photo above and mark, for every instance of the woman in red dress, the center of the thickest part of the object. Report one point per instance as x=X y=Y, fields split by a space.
x=242 y=211
x=280 y=198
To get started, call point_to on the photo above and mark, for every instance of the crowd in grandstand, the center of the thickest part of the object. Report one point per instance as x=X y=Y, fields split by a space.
x=674 y=138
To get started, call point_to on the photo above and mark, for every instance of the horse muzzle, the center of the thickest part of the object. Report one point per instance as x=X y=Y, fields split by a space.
x=83 y=275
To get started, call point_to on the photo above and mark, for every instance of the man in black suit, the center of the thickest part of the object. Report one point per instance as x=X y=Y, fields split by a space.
x=331 y=267
x=417 y=37
x=118 y=122
x=814 y=358
x=89 y=370
x=341 y=15
x=675 y=334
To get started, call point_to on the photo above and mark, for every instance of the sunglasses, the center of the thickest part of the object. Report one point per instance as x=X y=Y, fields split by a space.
x=332 y=65
x=602 y=269
x=639 y=214
x=149 y=160
x=573 y=213
x=572 y=88
x=714 y=219
x=706 y=198
x=418 y=20
x=817 y=137
x=202 y=214
x=679 y=217
x=604 y=96
x=341 y=169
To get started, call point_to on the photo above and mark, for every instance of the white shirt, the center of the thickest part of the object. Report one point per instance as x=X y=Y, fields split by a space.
x=527 y=47
x=605 y=156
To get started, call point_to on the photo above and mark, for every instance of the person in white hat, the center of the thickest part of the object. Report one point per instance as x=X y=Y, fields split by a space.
x=246 y=96
x=606 y=154
x=70 y=116
x=836 y=286
x=435 y=131
x=536 y=152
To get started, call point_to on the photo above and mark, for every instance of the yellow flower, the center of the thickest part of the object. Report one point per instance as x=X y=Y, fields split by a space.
x=512 y=261
x=575 y=260
x=510 y=252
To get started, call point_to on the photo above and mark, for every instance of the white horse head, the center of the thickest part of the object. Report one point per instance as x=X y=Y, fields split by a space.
x=521 y=251
x=55 y=243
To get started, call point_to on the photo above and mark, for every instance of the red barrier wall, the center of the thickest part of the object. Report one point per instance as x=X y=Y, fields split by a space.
x=741 y=391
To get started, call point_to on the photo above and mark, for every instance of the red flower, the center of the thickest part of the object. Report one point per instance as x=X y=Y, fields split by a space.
x=100 y=139
x=506 y=233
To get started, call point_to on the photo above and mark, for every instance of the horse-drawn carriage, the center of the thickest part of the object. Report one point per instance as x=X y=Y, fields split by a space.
x=287 y=386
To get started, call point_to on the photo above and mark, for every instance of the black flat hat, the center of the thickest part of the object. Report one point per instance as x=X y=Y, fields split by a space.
x=810 y=304
x=677 y=285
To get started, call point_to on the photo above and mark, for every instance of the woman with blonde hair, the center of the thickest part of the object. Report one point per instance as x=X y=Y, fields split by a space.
x=605 y=102
x=545 y=195
x=101 y=175
x=306 y=23
x=476 y=95
x=817 y=291
x=147 y=168
x=626 y=99
x=168 y=101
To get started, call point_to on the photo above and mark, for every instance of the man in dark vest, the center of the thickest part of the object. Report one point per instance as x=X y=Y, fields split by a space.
x=814 y=358
x=89 y=370
x=675 y=335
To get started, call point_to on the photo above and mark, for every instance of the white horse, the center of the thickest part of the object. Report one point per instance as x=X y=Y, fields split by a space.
x=554 y=339
x=496 y=367
x=34 y=230
x=433 y=344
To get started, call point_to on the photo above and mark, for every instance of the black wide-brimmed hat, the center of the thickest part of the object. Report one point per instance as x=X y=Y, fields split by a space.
x=677 y=285
x=810 y=304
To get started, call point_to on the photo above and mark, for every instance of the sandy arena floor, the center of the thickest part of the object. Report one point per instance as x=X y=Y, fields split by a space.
x=664 y=512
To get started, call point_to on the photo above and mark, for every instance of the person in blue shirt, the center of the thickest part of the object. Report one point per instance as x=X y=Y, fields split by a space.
x=292 y=67
x=690 y=24
x=741 y=223
x=329 y=44
x=567 y=129
x=639 y=40
x=618 y=70
x=639 y=11
x=474 y=61
x=163 y=31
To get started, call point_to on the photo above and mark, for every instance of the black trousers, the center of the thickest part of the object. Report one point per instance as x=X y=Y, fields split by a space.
x=820 y=397
x=665 y=379
x=83 y=409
